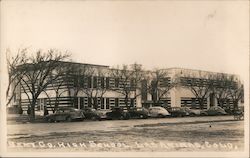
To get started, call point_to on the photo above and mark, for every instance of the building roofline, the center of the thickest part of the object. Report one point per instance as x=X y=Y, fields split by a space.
x=72 y=62
x=199 y=70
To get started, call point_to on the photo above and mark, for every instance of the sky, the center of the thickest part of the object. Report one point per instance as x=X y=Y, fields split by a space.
x=206 y=35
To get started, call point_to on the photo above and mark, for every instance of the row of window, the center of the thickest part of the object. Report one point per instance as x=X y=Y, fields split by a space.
x=166 y=101
x=164 y=82
x=192 y=103
x=188 y=81
x=89 y=82
x=102 y=103
x=96 y=82
x=102 y=82
x=80 y=102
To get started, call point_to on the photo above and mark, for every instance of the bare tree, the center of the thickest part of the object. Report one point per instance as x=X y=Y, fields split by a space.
x=59 y=85
x=14 y=75
x=227 y=88
x=37 y=72
x=123 y=82
x=200 y=86
x=80 y=77
x=89 y=80
x=137 y=76
x=98 y=89
x=222 y=87
x=160 y=85
x=236 y=92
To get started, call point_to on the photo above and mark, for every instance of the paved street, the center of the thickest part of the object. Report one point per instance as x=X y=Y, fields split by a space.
x=213 y=133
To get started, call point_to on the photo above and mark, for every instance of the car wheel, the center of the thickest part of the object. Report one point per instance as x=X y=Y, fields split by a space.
x=160 y=115
x=220 y=113
x=141 y=116
x=192 y=114
x=202 y=114
x=69 y=119
x=50 y=120
x=121 y=117
x=180 y=115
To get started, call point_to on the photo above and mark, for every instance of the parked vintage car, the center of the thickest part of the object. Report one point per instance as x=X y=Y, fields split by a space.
x=193 y=112
x=178 y=111
x=65 y=114
x=215 y=110
x=91 y=113
x=102 y=114
x=158 y=112
x=118 y=113
x=136 y=112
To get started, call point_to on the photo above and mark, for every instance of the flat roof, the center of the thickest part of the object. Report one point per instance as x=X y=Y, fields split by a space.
x=179 y=68
x=72 y=62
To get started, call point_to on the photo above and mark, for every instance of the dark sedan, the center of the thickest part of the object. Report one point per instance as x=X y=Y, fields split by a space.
x=178 y=112
x=138 y=113
x=118 y=113
x=212 y=111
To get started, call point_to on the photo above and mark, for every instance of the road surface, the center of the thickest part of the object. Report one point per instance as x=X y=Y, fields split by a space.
x=212 y=133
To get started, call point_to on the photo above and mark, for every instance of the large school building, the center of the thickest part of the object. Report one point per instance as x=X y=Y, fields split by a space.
x=101 y=87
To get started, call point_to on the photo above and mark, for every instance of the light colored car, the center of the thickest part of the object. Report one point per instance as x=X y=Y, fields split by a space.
x=65 y=114
x=158 y=112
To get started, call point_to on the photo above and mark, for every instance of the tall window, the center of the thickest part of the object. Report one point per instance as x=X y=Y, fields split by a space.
x=116 y=102
x=116 y=82
x=102 y=103
x=102 y=82
x=107 y=103
x=132 y=102
x=95 y=82
x=107 y=82
x=76 y=102
x=81 y=103
x=89 y=82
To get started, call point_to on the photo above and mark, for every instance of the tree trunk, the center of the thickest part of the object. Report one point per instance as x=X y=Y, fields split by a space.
x=221 y=102
x=235 y=104
x=201 y=102
x=126 y=101
x=56 y=101
x=95 y=103
x=32 y=109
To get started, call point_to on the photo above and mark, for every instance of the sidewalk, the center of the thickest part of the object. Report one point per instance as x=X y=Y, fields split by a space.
x=211 y=120
x=17 y=118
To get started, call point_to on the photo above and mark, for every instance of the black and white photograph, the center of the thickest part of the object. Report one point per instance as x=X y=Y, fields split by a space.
x=124 y=78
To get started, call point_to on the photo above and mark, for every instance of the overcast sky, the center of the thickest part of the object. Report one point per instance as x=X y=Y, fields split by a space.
x=206 y=35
